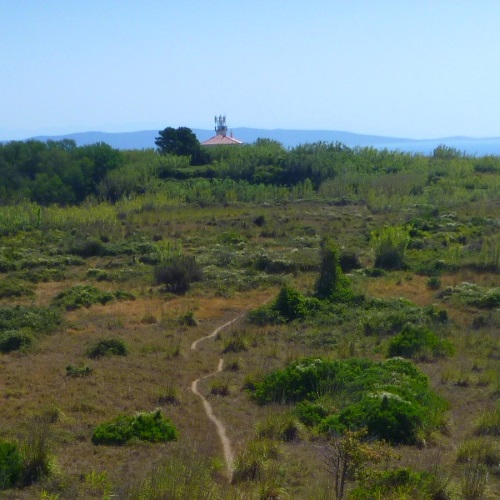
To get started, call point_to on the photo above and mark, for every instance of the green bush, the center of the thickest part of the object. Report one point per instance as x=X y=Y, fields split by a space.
x=385 y=416
x=15 y=340
x=420 y=343
x=87 y=295
x=11 y=465
x=390 y=245
x=177 y=273
x=433 y=283
x=310 y=413
x=152 y=427
x=107 y=347
x=395 y=484
x=348 y=261
x=392 y=399
x=78 y=371
x=33 y=319
x=15 y=288
x=87 y=248
x=188 y=319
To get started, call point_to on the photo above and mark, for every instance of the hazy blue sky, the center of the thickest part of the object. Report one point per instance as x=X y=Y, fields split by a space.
x=406 y=68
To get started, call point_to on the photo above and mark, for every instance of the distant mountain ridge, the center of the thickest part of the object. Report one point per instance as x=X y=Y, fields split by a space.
x=290 y=138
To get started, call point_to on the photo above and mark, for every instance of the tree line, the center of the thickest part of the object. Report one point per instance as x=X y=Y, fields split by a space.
x=59 y=172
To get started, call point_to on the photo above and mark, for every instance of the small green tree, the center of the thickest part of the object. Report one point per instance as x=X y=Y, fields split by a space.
x=345 y=457
x=330 y=270
x=332 y=284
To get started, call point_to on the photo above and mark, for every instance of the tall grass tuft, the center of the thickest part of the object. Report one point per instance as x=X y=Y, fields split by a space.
x=185 y=474
x=389 y=244
x=35 y=450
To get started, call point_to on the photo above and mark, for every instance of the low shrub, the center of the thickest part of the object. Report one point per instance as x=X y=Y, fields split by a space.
x=236 y=343
x=99 y=274
x=11 y=465
x=288 y=306
x=78 y=371
x=253 y=462
x=35 y=319
x=188 y=319
x=87 y=248
x=395 y=484
x=310 y=413
x=107 y=347
x=275 y=266
x=232 y=365
x=472 y=294
x=152 y=427
x=15 y=341
x=281 y=427
x=87 y=295
x=348 y=261
x=220 y=388
x=81 y=296
x=7 y=265
x=418 y=342
x=169 y=395
x=433 y=283
x=15 y=288
x=390 y=245
x=177 y=273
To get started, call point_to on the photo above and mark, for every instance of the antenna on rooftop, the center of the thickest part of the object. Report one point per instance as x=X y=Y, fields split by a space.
x=220 y=125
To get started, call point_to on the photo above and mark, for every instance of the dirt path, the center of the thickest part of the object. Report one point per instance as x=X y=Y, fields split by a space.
x=221 y=430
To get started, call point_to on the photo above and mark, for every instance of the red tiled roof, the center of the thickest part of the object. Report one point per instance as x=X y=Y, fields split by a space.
x=220 y=140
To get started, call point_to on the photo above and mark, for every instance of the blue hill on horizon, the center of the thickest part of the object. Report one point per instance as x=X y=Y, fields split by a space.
x=290 y=138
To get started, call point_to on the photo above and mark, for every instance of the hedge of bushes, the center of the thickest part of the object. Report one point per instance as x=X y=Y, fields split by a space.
x=392 y=399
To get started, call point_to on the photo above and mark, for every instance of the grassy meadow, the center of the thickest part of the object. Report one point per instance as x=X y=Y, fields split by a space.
x=365 y=364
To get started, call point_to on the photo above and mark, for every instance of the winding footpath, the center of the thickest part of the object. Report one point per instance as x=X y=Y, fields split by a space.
x=221 y=430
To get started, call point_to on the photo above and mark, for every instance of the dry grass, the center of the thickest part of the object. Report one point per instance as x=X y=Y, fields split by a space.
x=160 y=357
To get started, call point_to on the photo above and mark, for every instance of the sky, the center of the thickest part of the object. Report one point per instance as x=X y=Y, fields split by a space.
x=402 y=68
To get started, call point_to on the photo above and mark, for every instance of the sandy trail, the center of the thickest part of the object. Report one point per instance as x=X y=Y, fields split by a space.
x=221 y=430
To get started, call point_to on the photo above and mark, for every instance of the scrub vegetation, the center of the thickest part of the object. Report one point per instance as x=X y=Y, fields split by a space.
x=363 y=361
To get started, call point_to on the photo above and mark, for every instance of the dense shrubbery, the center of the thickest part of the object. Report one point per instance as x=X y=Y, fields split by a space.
x=472 y=294
x=398 y=483
x=19 y=326
x=85 y=296
x=54 y=171
x=420 y=343
x=34 y=319
x=391 y=399
x=15 y=288
x=153 y=427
